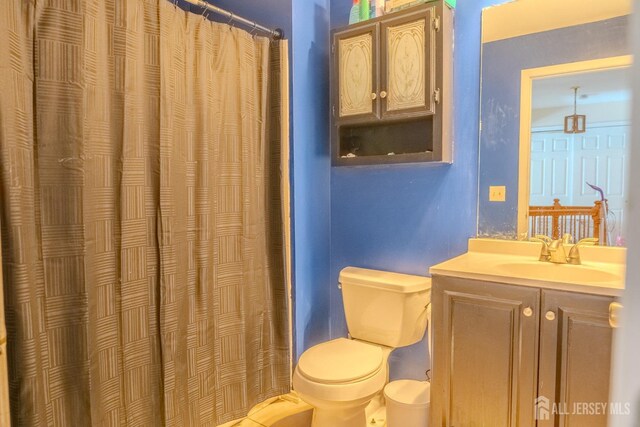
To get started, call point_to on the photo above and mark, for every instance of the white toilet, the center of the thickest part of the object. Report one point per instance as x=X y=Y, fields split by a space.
x=340 y=377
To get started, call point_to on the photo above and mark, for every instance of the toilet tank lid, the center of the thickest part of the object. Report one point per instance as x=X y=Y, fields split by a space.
x=395 y=282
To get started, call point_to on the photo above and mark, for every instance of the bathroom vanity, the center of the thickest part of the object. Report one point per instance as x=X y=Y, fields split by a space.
x=514 y=336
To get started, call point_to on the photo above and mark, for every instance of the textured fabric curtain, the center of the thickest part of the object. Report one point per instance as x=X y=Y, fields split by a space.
x=141 y=214
x=5 y=409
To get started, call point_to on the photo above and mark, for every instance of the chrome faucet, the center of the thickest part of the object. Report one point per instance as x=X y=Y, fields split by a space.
x=557 y=253
x=574 y=253
x=552 y=250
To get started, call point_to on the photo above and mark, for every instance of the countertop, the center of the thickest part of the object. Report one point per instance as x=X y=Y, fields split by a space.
x=486 y=260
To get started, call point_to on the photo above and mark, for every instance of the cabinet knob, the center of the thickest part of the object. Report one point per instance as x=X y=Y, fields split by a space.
x=615 y=309
x=528 y=312
x=373 y=95
x=383 y=94
x=550 y=315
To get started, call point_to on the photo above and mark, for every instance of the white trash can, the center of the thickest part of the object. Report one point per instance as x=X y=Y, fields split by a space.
x=407 y=403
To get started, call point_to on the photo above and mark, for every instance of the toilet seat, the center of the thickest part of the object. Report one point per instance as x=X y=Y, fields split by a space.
x=341 y=370
x=341 y=361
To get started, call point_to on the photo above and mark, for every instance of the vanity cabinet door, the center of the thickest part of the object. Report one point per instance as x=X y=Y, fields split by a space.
x=408 y=64
x=356 y=52
x=575 y=359
x=485 y=353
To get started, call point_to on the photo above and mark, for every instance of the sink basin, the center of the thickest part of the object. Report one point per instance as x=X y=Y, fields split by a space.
x=551 y=272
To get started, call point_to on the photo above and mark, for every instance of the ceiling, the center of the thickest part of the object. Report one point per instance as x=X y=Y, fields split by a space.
x=603 y=86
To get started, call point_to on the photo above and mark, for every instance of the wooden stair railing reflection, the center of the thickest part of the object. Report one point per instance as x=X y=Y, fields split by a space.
x=555 y=221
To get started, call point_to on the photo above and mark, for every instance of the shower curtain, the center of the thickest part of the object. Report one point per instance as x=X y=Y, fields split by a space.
x=5 y=409
x=141 y=210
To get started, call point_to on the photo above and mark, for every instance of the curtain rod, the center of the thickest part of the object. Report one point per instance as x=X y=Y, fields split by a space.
x=276 y=34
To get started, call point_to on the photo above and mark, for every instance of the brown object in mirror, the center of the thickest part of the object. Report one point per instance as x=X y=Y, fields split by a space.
x=575 y=123
x=579 y=221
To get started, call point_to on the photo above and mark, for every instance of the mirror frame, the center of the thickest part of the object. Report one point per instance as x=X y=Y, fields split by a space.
x=527 y=76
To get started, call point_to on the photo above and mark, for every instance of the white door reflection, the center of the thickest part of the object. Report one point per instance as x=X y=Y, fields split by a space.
x=563 y=164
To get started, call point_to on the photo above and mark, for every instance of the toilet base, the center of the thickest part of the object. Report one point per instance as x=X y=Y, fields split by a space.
x=348 y=414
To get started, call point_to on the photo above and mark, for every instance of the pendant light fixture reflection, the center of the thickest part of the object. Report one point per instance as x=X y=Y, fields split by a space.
x=576 y=123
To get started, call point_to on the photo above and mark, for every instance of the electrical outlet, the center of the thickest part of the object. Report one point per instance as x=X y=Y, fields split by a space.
x=497 y=193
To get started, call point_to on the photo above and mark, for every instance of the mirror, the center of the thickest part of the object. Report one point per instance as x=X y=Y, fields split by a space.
x=531 y=51
x=574 y=146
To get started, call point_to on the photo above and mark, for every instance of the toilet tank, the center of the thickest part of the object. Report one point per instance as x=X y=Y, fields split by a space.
x=383 y=307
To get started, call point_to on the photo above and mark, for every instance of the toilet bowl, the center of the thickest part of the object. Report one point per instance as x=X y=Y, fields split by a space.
x=339 y=378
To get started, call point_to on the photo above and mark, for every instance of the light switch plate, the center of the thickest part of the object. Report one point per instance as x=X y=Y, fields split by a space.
x=497 y=193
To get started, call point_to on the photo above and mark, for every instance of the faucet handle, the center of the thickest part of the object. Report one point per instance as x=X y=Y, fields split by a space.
x=574 y=253
x=588 y=240
x=544 y=252
x=542 y=237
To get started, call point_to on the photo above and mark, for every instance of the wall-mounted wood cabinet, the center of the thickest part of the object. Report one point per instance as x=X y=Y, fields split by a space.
x=498 y=349
x=391 y=88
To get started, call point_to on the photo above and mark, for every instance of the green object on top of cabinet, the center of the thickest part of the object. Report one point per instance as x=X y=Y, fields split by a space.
x=365 y=10
x=391 y=88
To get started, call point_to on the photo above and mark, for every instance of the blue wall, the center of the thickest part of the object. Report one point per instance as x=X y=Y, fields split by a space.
x=276 y=15
x=502 y=62
x=401 y=218
x=311 y=171
x=406 y=218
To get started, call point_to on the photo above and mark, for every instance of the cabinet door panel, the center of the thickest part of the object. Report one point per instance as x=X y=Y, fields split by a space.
x=356 y=61
x=408 y=65
x=575 y=358
x=485 y=353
